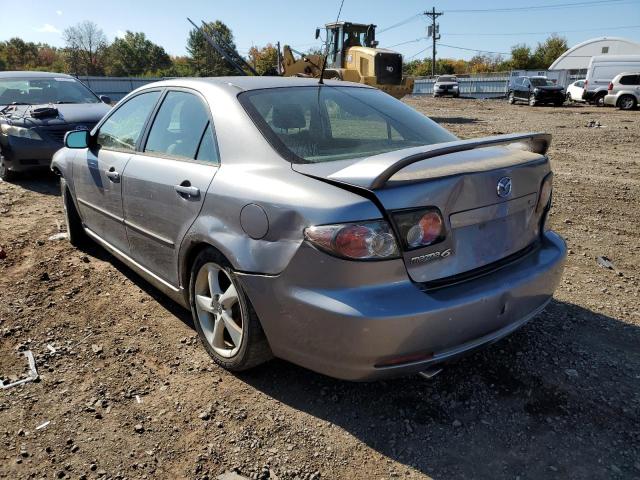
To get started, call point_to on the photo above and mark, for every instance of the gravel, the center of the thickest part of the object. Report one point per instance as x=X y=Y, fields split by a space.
x=560 y=398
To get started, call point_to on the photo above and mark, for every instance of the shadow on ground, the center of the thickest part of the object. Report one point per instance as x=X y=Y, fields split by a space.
x=538 y=404
x=39 y=181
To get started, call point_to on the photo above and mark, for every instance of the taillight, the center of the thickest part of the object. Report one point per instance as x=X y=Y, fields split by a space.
x=610 y=87
x=356 y=241
x=586 y=83
x=544 y=197
x=420 y=228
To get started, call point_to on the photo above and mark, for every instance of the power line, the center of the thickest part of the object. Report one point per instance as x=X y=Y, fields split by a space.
x=546 y=33
x=400 y=23
x=474 y=49
x=537 y=7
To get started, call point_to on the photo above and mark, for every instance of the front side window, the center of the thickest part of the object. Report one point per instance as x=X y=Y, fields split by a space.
x=327 y=123
x=122 y=129
x=178 y=126
x=34 y=91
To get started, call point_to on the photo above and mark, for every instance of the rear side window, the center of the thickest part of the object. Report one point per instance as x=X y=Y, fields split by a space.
x=208 y=150
x=630 y=80
x=122 y=129
x=178 y=126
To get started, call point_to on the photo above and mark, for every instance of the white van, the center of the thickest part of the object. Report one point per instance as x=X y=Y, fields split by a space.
x=601 y=71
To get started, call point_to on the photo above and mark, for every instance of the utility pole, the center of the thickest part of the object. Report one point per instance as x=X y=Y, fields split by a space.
x=434 y=33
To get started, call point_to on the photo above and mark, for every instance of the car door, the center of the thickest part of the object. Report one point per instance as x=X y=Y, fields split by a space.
x=97 y=171
x=165 y=183
x=523 y=89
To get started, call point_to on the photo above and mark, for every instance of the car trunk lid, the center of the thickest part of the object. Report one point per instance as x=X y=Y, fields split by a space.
x=460 y=179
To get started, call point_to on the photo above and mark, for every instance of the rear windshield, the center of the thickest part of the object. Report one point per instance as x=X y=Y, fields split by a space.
x=326 y=123
x=447 y=79
x=542 y=82
x=33 y=91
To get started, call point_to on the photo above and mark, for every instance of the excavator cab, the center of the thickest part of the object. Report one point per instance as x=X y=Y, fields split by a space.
x=343 y=35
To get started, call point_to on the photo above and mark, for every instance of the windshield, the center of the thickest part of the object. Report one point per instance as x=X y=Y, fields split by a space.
x=32 y=91
x=542 y=82
x=327 y=123
x=447 y=79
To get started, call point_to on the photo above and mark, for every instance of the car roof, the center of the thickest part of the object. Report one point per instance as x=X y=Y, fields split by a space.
x=627 y=73
x=246 y=83
x=23 y=74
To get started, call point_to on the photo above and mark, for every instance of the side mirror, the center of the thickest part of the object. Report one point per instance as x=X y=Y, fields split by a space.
x=105 y=99
x=317 y=33
x=77 y=139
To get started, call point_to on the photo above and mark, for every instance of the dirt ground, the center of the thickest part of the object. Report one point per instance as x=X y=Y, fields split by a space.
x=129 y=393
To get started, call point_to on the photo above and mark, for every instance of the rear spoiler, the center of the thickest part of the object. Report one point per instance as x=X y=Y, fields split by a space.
x=373 y=172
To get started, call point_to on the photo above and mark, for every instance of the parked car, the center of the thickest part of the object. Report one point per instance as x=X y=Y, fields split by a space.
x=574 y=91
x=36 y=110
x=329 y=225
x=624 y=91
x=446 y=85
x=535 y=91
x=602 y=69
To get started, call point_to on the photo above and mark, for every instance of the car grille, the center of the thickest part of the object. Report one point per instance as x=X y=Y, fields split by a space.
x=56 y=134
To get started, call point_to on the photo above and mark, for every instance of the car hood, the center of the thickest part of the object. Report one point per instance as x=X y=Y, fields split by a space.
x=68 y=113
x=554 y=88
x=448 y=84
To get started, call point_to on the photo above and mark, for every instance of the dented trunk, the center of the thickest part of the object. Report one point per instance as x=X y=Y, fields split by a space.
x=482 y=225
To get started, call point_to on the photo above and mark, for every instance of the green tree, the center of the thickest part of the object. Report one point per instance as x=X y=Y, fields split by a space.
x=86 y=46
x=135 y=55
x=520 y=57
x=265 y=59
x=18 y=54
x=205 y=61
x=549 y=50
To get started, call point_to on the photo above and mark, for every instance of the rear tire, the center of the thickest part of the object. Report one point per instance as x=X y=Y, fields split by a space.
x=224 y=318
x=627 y=102
x=75 y=230
x=6 y=174
x=598 y=101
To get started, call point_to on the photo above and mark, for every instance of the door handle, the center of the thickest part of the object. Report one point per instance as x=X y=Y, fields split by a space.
x=185 y=189
x=113 y=175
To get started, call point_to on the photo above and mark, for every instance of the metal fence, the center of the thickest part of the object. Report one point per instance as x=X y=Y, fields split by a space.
x=490 y=85
x=116 y=87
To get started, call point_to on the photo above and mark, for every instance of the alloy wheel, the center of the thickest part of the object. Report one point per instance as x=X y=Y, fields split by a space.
x=626 y=103
x=218 y=309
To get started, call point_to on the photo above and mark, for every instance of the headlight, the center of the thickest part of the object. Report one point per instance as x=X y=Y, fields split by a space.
x=356 y=241
x=19 y=132
x=536 y=90
x=455 y=86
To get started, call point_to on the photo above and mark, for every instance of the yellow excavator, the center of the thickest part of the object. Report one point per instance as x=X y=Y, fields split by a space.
x=353 y=55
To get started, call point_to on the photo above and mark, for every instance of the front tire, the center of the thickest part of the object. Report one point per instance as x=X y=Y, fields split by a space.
x=75 y=230
x=6 y=174
x=224 y=318
x=511 y=98
x=532 y=100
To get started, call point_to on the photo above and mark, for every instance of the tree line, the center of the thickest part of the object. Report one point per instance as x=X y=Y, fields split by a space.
x=522 y=57
x=88 y=52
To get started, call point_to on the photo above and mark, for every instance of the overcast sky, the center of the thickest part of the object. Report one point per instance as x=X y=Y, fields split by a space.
x=255 y=22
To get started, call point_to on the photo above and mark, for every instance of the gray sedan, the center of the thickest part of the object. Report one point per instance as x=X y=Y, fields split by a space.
x=329 y=225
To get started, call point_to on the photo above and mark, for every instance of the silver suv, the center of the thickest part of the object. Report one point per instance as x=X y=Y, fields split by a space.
x=624 y=91
x=446 y=85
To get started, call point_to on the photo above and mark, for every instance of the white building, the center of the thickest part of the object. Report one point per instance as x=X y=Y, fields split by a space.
x=573 y=63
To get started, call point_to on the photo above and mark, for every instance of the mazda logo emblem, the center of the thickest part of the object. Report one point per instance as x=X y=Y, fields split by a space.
x=504 y=187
